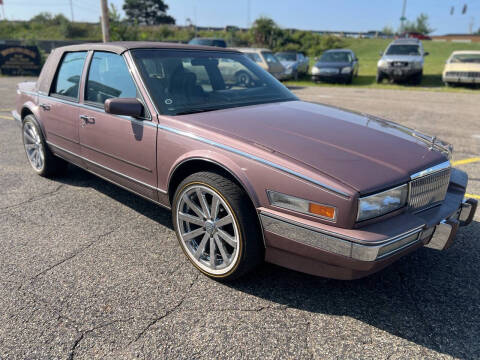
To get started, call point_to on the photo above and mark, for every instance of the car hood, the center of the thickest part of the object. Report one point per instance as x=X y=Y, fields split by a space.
x=361 y=151
x=332 y=64
x=406 y=58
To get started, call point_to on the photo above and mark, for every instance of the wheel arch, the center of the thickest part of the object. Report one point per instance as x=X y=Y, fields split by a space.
x=195 y=164
x=30 y=109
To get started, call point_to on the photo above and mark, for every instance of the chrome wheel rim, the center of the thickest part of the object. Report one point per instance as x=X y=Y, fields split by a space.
x=33 y=146
x=208 y=230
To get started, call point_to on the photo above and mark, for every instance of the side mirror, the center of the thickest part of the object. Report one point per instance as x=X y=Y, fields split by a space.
x=381 y=53
x=426 y=53
x=124 y=106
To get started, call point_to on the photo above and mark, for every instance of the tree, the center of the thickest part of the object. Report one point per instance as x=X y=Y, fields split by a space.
x=388 y=30
x=265 y=31
x=147 y=12
x=119 y=28
x=420 y=25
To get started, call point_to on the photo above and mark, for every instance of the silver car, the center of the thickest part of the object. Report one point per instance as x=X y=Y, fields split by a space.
x=402 y=61
x=295 y=63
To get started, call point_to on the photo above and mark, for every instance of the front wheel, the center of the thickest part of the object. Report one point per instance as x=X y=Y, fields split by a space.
x=379 y=78
x=217 y=226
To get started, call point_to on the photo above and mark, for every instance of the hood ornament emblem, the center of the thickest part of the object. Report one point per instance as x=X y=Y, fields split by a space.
x=432 y=145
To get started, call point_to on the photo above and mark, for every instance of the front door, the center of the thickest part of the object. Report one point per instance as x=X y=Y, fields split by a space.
x=119 y=148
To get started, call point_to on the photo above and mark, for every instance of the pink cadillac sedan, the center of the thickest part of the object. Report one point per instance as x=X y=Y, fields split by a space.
x=250 y=172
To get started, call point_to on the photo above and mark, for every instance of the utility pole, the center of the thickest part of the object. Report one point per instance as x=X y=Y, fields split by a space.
x=3 y=10
x=248 y=13
x=403 y=18
x=71 y=9
x=105 y=24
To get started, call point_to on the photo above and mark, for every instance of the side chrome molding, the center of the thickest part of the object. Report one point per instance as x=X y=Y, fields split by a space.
x=322 y=185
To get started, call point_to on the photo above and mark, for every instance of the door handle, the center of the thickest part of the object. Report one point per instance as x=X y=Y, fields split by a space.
x=45 y=107
x=87 y=120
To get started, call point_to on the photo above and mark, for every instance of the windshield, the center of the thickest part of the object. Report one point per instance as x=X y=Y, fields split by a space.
x=466 y=58
x=269 y=57
x=287 y=56
x=185 y=81
x=403 y=50
x=336 y=56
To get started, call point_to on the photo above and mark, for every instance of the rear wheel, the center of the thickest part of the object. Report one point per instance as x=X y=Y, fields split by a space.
x=43 y=162
x=216 y=226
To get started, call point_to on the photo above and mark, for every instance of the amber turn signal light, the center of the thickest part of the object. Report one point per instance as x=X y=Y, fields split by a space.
x=322 y=210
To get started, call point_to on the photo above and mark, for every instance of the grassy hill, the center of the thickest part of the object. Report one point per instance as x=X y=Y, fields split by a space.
x=368 y=51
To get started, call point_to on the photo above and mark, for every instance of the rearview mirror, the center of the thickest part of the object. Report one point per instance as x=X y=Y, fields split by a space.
x=125 y=106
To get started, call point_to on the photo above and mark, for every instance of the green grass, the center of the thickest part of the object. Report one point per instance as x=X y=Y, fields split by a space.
x=368 y=51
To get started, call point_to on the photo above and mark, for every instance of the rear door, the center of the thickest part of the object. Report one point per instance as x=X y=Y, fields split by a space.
x=59 y=110
x=120 y=148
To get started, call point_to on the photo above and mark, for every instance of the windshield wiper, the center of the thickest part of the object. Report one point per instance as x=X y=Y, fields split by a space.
x=197 y=110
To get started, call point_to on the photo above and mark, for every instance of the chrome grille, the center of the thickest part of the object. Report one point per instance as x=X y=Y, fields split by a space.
x=467 y=74
x=428 y=190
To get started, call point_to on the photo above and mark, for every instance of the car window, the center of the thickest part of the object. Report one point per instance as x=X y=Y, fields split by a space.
x=254 y=56
x=286 y=56
x=403 y=50
x=269 y=57
x=465 y=58
x=182 y=82
x=68 y=77
x=108 y=77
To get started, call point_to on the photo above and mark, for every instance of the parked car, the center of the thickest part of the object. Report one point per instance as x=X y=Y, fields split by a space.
x=462 y=67
x=340 y=65
x=250 y=173
x=267 y=61
x=402 y=61
x=414 y=35
x=295 y=63
x=209 y=42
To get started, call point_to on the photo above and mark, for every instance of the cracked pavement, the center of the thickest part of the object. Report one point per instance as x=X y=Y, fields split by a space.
x=88 y=270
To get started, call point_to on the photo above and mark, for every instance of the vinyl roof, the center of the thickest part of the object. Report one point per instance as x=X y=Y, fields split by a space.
x=122 y=46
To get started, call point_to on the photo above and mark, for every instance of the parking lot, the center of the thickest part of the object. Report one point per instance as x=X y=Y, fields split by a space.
x=88 y=270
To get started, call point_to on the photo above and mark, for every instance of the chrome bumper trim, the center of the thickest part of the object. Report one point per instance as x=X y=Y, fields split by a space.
x=322 y=241
x=17 y=117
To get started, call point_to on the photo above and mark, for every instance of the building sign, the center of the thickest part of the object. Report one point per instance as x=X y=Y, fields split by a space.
x=19 y=60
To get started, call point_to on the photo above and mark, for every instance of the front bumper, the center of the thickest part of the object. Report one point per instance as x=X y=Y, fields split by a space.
x=332 y=77
x=461 y=79
x=357 y=253
x=399 y=73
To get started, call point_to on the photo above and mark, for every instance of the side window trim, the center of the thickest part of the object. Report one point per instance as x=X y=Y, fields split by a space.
x=99 y=106
x=54 y=81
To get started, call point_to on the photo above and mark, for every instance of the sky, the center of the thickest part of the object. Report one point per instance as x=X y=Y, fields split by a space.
x=346 y=15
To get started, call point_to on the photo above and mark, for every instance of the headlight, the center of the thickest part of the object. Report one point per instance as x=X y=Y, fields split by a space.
x=382 y=203
x=382 y=63
x=417 y=64
x=346 y=70
x=315 y=70
x=288 y=70
x=302 y=206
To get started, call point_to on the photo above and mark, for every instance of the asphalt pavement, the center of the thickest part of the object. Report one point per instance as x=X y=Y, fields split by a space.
x=88 y=270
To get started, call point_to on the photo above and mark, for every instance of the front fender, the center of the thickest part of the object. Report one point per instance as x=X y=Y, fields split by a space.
x=220 y=160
